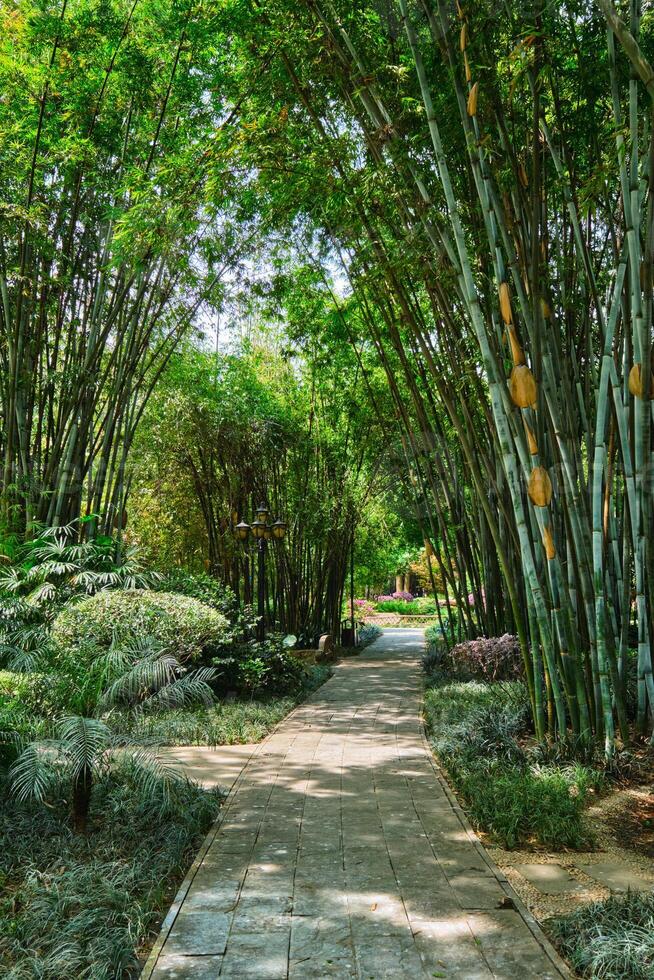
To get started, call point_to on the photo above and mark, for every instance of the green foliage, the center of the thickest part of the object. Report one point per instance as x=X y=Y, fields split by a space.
x=368 y=633
x=80 y=906
x=261 y=667
x=433 y=634
x=20 y=721
x=47 y=571
x=207 y=588
x=107 y=143
x=186 y=627
x=450 y=702
x=139 y=676
x=516 y=806
x=226 y=723
x=403 y=608
x=476 y=730
x=223 y=431
x=440 y=638
x=610 y=940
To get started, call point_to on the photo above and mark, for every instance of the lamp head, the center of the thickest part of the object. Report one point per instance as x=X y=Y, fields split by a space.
x=242 y=530
x=263 y=513
x=279 y=529
x=258 y=528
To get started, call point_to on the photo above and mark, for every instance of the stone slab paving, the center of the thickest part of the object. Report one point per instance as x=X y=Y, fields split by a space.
x=551 y=879
x=615 y=876
x=212 y=766
x=342 y=853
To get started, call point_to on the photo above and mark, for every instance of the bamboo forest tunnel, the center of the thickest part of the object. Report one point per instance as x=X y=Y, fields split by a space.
x=426 y=234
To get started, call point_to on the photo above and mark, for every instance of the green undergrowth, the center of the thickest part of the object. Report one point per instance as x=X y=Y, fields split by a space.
x=225 y=723
x=478 y=731
x=80 y=906
x=612 y=940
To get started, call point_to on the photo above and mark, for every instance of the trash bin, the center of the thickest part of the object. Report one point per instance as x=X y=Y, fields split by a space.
x=348 y=633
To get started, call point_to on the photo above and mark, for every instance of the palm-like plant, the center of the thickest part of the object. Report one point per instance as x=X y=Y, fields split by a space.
x=40 y=575
x=57 y=561
x=134 y=676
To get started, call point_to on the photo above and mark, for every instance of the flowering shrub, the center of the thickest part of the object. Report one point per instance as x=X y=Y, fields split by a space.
x=384 y=598
x=363 y=609
x=404 y=596
x=494 y=658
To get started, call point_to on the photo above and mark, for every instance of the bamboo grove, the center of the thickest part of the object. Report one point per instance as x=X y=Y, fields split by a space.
x=221 y=435
x=484 y=177
x=105 y=141
x=459 y=195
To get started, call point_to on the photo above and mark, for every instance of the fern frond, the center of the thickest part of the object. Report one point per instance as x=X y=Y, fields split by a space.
x=85 y=741
x=193 y=689
x=34 y=771
x=156 y=671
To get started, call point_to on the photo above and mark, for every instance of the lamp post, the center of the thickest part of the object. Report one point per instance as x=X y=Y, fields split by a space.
x=263 y=530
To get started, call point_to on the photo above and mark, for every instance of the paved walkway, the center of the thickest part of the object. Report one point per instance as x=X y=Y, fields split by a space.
x=341 y=853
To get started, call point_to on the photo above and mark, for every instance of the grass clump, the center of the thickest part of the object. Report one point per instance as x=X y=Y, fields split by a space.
x=478 y=732
x=80 y=906
x=368 y=633
x=228 y=723
x=612 y=940
x=225 y=723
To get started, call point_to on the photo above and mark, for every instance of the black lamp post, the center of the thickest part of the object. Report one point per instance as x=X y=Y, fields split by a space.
x=263 y=530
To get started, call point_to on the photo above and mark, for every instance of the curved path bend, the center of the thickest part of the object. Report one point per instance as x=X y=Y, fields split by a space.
x=340 y=852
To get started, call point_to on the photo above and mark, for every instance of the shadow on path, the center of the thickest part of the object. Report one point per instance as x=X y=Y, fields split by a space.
x=340 y=853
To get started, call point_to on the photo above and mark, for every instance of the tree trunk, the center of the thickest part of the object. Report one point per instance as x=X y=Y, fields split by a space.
x=82 y=799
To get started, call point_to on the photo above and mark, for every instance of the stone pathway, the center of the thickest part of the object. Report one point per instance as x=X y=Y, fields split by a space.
x=214 y=767
x=341 y=853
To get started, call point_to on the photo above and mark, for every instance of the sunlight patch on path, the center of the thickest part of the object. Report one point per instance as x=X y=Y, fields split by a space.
x=341 y=853
x=212 y=766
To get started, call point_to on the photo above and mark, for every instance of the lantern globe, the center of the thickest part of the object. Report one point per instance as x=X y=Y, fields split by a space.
x=258 y=528
x=242 y=530
x=263 y=513
x=279 y=529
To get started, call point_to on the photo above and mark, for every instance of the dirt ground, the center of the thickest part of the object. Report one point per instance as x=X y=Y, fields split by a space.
x=622 y=822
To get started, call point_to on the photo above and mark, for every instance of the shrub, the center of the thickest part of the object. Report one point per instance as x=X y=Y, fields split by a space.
x=433 y=635
x=436 y=649
x=78 y=906
x=400 y=606
x=424 y=606
x=18 y=723
x=613 y=939
x=491 y=659
x=363 y=608
x=204 y=587
x=187 y=627
x=368 y=633
x=476 y=730
x=261 y=668
x=404 y=596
